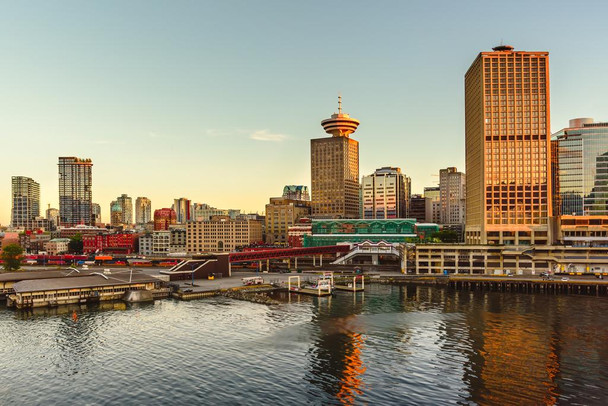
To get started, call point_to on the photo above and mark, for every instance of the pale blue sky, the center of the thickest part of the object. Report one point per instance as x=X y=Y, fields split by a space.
x=174 y=99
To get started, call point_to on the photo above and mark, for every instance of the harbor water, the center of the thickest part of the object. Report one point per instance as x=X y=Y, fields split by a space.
x=388 y=345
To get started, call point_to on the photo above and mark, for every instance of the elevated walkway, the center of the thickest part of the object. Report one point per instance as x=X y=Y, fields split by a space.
x=370 y=249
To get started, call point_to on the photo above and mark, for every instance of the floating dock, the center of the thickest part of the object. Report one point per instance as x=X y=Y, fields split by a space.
x=324 y=286
x=352 y=286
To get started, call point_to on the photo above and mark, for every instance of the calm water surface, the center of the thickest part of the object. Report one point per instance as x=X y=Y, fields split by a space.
x=389 y=345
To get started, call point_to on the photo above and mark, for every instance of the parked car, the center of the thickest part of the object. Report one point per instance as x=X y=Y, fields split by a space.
x=544 y=274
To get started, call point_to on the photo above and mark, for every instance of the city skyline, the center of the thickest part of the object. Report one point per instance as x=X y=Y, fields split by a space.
x=142 y=94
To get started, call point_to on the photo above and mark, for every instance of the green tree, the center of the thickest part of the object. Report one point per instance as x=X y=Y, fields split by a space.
x=11 y=257
x=446 y=236
x=75 y=245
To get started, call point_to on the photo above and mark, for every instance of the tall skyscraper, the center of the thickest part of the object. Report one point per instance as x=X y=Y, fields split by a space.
x=183 y=210
x=25 y=202
x=334 y=167
x=452 y=196
x=116 y=213
x=385 y=194
x=52 y=215
x=143 y=210
x=508 y=198
x=126 y=206
x=581 y=174
x=75 y=191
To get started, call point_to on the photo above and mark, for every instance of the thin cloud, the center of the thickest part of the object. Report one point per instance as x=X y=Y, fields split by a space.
x=265 y=135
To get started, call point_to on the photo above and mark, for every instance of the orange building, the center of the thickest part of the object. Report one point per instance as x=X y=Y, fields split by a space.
x=507 y=130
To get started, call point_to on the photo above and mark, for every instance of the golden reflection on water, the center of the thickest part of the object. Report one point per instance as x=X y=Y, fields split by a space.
x=351 y=382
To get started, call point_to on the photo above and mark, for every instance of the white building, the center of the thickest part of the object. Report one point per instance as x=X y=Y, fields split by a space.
x=452 y=195
x=385 y=194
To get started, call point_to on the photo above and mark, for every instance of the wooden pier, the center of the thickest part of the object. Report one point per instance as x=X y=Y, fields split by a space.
x=551 y=286
x=352 y=286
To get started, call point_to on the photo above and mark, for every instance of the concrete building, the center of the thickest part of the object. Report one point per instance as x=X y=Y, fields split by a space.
x=221 y=234
x=334 y=166
x=508 y=198
x=296 y=233
x=163 y=218
x=116 y=216
x=183 y=210
x=143 y=210
x=25 y=194
x=452 y=187
x=581 y=174
x=75 y=191
x=118 y=243
x=178 y=239
x=385 y=194
x=156 y=243
x=281 y=213
x=432 y=204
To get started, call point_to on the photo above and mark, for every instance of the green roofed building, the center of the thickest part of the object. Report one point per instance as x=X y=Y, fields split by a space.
x=332 y=232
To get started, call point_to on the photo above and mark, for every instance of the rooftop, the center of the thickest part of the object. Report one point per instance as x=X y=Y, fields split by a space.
x=91 y=281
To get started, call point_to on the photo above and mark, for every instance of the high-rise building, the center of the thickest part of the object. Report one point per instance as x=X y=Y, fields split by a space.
x=25 y=202
x=75 y=191
x=508 y=198
x=126 y=206
x=143 y=210
x=115 y=214
x=334 y=167
x=452 y=196
x=96 y=211
x=163 y=218
x=385 y=194
x=296 y=192
x=52 y=215
x=432 y=204
x=581 y=174
x=182 y=209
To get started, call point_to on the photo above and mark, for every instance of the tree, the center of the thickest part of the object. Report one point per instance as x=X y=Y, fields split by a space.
x=446 y=236
x=11 y=257
x=75 y=245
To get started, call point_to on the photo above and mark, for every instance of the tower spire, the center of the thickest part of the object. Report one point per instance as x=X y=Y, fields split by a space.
x=339 y=104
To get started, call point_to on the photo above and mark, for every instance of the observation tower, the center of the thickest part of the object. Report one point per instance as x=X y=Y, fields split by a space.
x=341 y=124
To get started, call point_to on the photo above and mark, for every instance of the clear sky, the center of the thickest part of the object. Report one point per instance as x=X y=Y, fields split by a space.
x=217 y=100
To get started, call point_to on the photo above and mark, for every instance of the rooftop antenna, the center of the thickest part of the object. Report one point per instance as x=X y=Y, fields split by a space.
x=339 y=103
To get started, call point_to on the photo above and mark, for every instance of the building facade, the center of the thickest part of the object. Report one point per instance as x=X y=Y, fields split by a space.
x=508 y=198
x=417 y=208
x=202 y=212
x=96 y=212
x=52 y=215
x=183 y=210
x=75 y=191
x=452 y=190
x=432 y=204
x=143 y=210
x=334 y=165
x=221 y=234
x=163 y=218
x=581 y=173
x=25 y=202
x=296 y=192
x=282 y=213
x=385 y=194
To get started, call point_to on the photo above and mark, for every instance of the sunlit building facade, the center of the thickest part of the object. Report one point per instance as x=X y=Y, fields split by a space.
x=508 y=199
x=25 y=202
x=282 y=213
x=334 y=166
x=143 y=210
x=163 y=218
x=385 y=194
x=75 y=191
